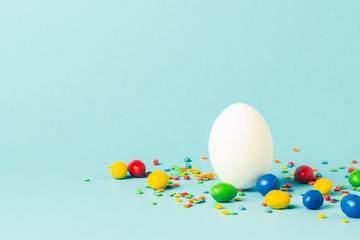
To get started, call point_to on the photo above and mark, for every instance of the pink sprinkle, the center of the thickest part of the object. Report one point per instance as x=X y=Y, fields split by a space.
x=156 y=162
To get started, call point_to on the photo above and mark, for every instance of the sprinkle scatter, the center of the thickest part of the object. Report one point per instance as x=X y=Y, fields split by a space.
x=173 y=181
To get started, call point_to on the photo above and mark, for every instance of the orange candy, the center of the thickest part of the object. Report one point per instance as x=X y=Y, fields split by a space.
x=176 y=184
x=186 y=205
x=202 y=197
x=276 y=161
x=295 y=149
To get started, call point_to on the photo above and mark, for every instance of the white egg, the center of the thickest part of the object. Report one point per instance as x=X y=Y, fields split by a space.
x=240 y=146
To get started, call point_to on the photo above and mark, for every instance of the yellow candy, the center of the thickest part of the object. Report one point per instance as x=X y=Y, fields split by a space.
x=277 y=199
x=218 y=206
x=283 y=167
x=188 y=170
x=182 y=174
x=196 y=175
x=321 y=216
x=158 y=179
x=238 y=199
x=344 y=221
x=176 y=196
x=215 y=175
x=287 y=177
x=293 y=173
x=323 y=185
x=118 y=170
x=225 y=212
x=178 y=200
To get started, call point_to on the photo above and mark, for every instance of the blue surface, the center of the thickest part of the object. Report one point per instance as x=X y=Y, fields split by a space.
x=86 y=83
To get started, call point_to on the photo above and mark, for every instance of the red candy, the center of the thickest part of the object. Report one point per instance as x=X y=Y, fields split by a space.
x=350 y=170
x=169 y=186
x=304 y=174
x=333 y=201
x=337 y=189
x=327 y=198
x=345 y=192
x=354 y=161
x=156 y=162
x=186 y=177
x=175 y=178
x=291 y=163
x=263 y=204
x=136 y=168
x=288 y=185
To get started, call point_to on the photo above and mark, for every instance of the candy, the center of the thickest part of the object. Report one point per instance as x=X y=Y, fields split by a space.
x=218 y=206
x=241 y=208
x=118 y=170
x=178 y=200
x=333 y=170
x=324 y=162
x=277 y=199
x=138 y=191
x=354 y=178
x=223 y=192
x=233 y=213
x=350 y=205
x=295 y=149
x=327 y=198
x=136 y=168
x=158 y=179
x=354 y=161
x=266 y=183
x=304 y=174
x=203 y=158
x=268 y=210
x=321 y=216
x=156 y=162
x=225 y=212
x=86 y=180
x=344 y=221
x=276 y=160
x=313 y=199
x=323 y=185
x=153 y=203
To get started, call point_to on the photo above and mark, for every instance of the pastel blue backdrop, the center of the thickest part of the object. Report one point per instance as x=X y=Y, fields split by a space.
x=86 y=83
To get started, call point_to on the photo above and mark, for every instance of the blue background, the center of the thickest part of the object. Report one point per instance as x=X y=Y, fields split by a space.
x=86 y=83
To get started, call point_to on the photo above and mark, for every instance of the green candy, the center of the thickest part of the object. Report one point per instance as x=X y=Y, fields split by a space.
x=138 y=191
x=223 y=192
x=241 y=194
x=354 y=178
x=333 y=170
x=233 y=213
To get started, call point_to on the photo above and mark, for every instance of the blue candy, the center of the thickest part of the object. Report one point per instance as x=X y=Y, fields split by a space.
x=187 y=159
x=324 y=162
x=187 y=165
x=267 y=183
x=318 y=175
x=241 y=207
x=313 y=199
x=350 y=205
